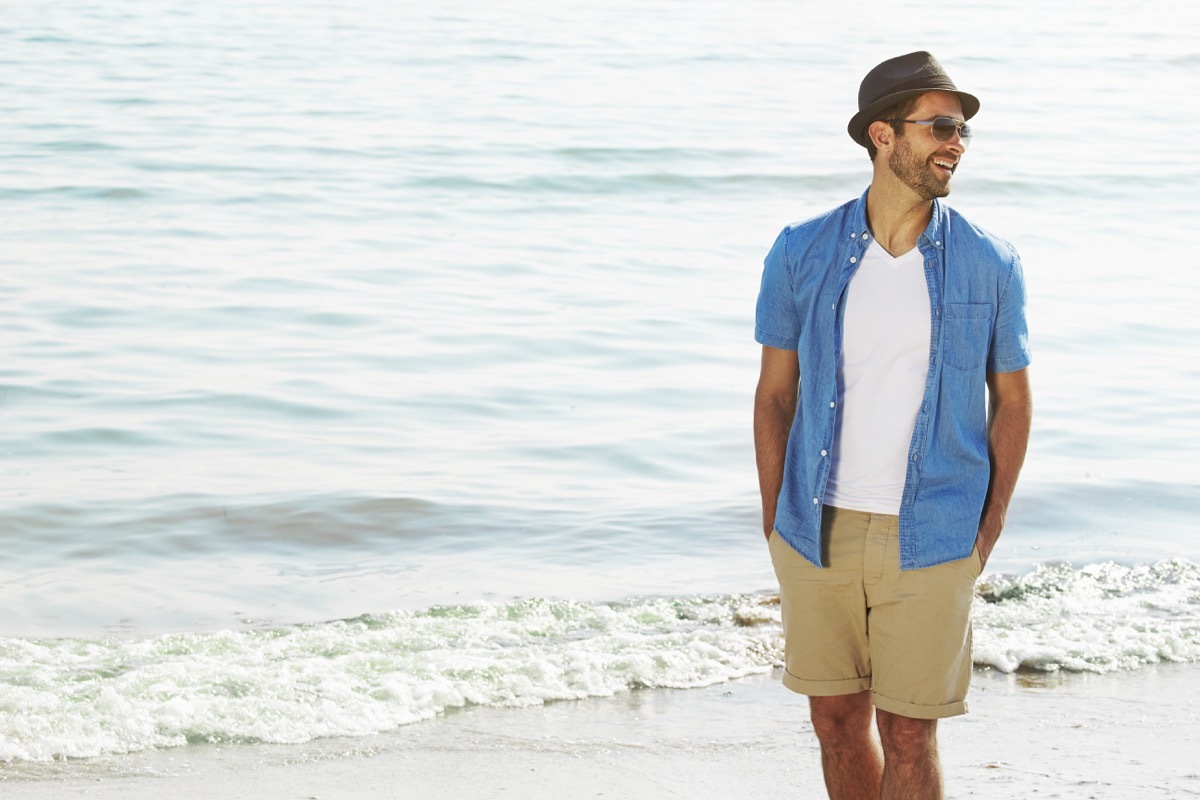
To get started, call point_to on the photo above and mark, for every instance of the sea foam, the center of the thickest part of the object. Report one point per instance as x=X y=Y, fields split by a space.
x=1101 y=618
x=375 y=673
x=75 y=698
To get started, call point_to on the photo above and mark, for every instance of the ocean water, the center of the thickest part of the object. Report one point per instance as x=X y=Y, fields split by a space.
x=365 y=360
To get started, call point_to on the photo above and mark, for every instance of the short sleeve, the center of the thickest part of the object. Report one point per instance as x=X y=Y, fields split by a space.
x=776 y=323
x=1010 y=337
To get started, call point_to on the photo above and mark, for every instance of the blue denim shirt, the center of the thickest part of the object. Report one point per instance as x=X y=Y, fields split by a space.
x=977 y=325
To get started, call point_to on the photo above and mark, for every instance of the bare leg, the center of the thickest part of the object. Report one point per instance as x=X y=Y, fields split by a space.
x=911 y=768
x=850 y=753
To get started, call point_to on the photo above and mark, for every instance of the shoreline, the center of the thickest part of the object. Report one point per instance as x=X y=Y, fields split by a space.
x=1113 y=736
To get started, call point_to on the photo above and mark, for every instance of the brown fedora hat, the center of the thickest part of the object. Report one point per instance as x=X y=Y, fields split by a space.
x=898 y=79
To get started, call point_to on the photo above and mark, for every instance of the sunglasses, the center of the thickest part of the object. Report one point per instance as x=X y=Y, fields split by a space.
x=942 y=128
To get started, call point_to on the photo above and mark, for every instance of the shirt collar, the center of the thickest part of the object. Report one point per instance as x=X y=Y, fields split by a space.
x=859 y=231
x=935 y=230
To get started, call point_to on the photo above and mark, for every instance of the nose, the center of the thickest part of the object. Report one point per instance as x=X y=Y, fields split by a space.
x=959 y=139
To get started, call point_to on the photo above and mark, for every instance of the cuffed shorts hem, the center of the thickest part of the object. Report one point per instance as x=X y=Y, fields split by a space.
x=903 y=709
x=825 y=688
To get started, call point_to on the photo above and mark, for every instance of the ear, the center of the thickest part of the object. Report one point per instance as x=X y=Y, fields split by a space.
x=881 y=133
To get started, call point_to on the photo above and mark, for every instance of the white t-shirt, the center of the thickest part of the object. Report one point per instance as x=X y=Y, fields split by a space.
x=881 y=380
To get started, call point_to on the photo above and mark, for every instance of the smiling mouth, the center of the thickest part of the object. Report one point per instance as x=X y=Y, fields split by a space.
x=945 y=164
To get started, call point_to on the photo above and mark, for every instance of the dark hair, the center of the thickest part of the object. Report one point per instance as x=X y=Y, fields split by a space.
x=899 y=111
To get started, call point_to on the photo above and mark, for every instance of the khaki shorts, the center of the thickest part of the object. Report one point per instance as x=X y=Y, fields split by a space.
x=862 y=623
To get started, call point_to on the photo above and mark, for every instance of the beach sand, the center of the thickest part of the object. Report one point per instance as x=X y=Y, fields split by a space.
x=1130 y=736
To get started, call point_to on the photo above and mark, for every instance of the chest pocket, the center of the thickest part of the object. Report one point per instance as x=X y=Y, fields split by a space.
x=968 y=331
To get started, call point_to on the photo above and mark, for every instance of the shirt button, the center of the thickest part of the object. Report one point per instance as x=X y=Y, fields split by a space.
x=853 y=235
x=833 y=306
x=853 y=260
x=815 y=501
x=865 y=237
x=824 y=453
x=938 y=244
x=831 y=404
x=914 y=456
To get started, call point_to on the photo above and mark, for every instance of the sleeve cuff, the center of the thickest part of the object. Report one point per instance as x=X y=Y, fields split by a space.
x=773 y=340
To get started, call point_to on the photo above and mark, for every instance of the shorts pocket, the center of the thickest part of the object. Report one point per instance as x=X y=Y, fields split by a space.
x=967 y=334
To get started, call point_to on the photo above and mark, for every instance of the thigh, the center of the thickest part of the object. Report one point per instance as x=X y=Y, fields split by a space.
x=920 y=631
x=824 y=610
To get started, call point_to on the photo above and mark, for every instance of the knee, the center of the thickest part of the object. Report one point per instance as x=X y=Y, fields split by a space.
x=905 y=738
x=841 y=719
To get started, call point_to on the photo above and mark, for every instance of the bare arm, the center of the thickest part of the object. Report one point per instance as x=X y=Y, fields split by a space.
x=774 y=410
x=1010 y=413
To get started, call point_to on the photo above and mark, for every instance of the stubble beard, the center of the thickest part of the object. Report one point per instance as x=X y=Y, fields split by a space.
x=915 y=174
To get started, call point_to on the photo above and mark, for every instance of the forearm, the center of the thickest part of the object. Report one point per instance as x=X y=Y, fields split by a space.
x=1009 y=420
x=773 y=417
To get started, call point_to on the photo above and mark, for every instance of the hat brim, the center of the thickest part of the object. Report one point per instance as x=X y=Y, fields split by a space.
x=863 y=119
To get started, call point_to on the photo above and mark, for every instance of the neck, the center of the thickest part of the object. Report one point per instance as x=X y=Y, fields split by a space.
x=896 y=215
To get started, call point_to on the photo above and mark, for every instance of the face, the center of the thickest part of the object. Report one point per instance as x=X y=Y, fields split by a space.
x=916 y=159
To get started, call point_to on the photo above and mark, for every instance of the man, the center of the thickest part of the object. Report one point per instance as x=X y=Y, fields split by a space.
x=890 y=423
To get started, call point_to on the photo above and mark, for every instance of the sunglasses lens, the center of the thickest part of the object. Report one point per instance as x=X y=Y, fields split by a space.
x=944 y=129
